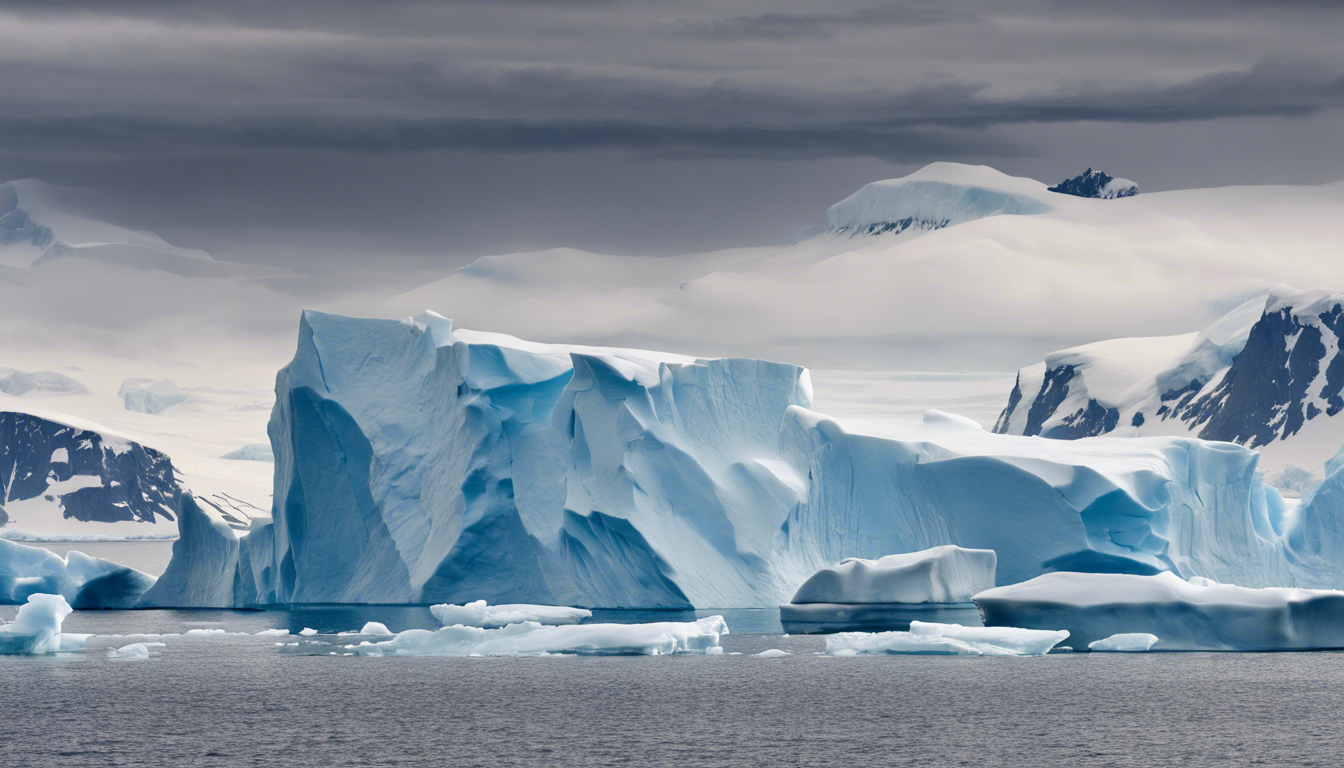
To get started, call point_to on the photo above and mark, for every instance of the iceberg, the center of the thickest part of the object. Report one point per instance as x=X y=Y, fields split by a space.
x=1185 y=616
x=375 y=628
x=890 y=592
x=150 y=396
x=772 y=653
x=37 y=628
x=947 y=639
x=421 y=464
x=82 y=581
x=133 y=652
x=532 y=639
x=479 y=614
x=1129 y=642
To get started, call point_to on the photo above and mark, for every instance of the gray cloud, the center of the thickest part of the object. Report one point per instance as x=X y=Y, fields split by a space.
x=787 y=26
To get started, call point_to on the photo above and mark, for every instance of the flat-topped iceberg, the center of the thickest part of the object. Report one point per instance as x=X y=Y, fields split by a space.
x=1184 y=616
x=890 y=592
x=479 y=614
x=37 y=628
x=946 y=574
x=947 y=639
x=418 y=463
x=1128 y=642
x=533 y=639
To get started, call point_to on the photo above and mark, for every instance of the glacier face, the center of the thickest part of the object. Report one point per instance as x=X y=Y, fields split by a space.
x=416 y=463
x=1269 y=375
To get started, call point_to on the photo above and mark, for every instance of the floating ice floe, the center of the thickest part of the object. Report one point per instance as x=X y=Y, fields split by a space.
x=1130 y=642
x=307 y=631
x=890 y=592
x=133 y=652
x=1186 y=616
x=533 y=639
x=37 y=628
x=272 y=633
x=479 y=614
x=948 y=639
x=773 y=653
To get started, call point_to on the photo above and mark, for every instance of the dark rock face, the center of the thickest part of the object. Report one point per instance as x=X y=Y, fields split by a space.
x=1262 y=396
x=1094 y=419
x=115 y=480
x=1092 y=184
x=896 y=227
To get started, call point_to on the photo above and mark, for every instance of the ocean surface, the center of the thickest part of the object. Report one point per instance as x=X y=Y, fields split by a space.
x=244 y=701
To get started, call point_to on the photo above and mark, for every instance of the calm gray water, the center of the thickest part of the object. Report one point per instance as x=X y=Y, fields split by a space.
x=245 y=702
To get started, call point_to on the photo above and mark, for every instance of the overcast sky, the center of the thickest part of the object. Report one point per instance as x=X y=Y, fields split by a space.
x=284 y=131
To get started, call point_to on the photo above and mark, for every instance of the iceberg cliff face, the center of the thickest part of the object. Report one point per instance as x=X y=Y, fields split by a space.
x=416 y=463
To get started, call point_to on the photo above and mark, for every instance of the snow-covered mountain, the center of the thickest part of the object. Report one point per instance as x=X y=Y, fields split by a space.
x=419 y=463
x=62 y=477
x=1269 y=375
x=1096 y=184
x=952 y=267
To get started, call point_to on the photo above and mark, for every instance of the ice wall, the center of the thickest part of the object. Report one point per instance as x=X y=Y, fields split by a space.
x=416 y=463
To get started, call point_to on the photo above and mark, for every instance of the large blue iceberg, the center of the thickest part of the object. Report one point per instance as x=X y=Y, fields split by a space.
x=418 y=463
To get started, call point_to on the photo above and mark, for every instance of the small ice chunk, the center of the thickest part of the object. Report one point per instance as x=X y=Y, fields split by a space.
x=307 y=631
x=951 y=639
x=773 y=653
x=1129 y=641
x=205 y=632
x=37 y=627
x=132 y=652
x=375 y=628
x=533 y=639
x=273 y=633
x=479 y=614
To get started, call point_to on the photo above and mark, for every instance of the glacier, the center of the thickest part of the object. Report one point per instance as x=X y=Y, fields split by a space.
x=421 y=463
x=1197 y=615
x=947 y=639
x=936 y=196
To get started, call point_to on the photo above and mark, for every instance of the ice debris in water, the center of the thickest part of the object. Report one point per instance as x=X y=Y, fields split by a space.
x=951 y=639
x=133 y=652
x=479 y=614
x=308 y=632
x=530 y=638
x=1127 y=641
x=37 y=628
x=773 y=653
x=273 y=633
x=375 y=628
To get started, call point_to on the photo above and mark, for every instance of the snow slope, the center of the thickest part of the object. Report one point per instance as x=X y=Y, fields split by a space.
x=1269 y=375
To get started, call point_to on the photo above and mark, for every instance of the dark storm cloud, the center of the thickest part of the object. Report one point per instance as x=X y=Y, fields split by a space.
x=785 y=26
x=609 y=104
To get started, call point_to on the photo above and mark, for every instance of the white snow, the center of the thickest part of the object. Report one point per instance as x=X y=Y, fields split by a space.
x=479 y=614
x=939 y=195
x=1128 y=642
x=947 y=639
x=1185 y=616
x=531 y=639
x=946 y=574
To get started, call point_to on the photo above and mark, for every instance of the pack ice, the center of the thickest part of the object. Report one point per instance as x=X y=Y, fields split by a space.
x=1184 y=616
x=530 y=639
x=418 y=463
x=947 y=639
x=891 y=591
